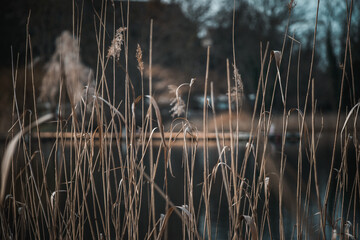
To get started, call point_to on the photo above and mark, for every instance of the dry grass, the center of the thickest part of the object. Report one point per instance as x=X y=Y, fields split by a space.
x=106 y=179
x=65 y=66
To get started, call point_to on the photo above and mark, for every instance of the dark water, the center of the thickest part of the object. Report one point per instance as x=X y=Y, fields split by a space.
x=218 y=201
x=219 y=206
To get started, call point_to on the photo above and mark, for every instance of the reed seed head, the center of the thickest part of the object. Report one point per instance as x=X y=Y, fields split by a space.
x=139 y=59
x=65 y=64
x=115 y=47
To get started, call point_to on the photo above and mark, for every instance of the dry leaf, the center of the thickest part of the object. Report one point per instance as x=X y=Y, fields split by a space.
x=10 y=149
x=277 y=55
x=159 y=119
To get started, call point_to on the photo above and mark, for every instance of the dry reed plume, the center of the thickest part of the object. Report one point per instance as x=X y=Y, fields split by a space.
x=65 y=66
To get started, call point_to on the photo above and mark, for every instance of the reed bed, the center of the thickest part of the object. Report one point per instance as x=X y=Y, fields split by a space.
x=104 y=177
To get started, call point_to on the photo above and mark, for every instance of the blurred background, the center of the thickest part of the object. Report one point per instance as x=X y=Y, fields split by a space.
x=183 y=29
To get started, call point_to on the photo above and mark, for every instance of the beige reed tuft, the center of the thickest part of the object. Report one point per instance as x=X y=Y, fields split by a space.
x=139 y=58
x=117 y=42
x=237 y=92
x=65 y=65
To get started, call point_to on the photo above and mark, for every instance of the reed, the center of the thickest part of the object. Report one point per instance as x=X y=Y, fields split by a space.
x=104 y=175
